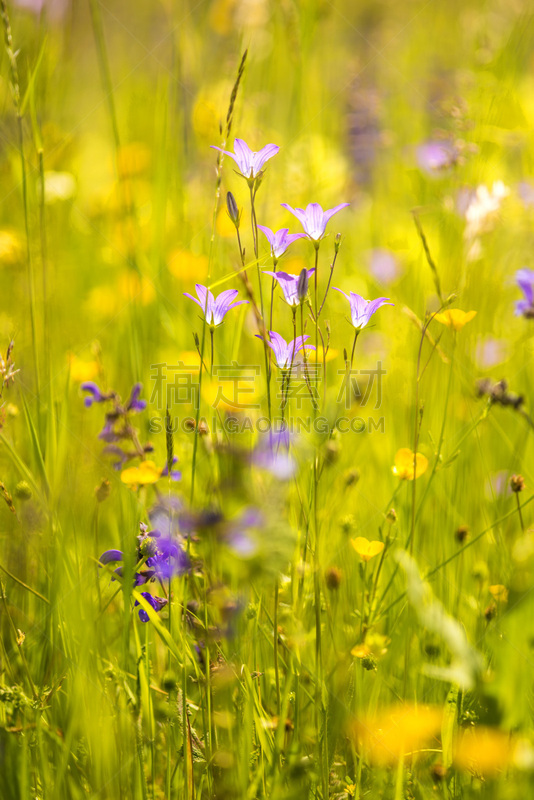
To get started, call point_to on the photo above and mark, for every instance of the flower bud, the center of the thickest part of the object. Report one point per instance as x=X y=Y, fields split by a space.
x=462 y=534
x=391 y=516
x=333 y=577
x=233 y=211
x=517 y=483
x=23 y=491
x=102 y=492
x=337 y=242
x=302 y=285
x=148 y=546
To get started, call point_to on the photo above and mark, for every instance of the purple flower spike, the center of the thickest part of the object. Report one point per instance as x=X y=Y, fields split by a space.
x=525 y=281
x=285 y=352
x=176 y=475
x=134 y=404
x=314 y=220
x=157 y=604
x=96 y=395
x=215 y=309
x=280 y=240
x=250 y=163
x=289 y=284
x=362 y=310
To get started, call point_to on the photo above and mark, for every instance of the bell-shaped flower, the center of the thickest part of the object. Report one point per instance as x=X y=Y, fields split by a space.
x=215 y=309
x=285 y=352
x=280 y=240
x=313 y=219
x=362 y=310
x=249 y=162
x=289 y=285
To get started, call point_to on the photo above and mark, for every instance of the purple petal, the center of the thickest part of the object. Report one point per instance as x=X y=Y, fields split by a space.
x=268 y=233
x=110 y=555
x=330 y=213
x=259 y=158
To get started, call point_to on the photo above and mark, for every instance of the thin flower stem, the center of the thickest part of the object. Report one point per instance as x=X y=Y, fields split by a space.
x=15 y=91
x=437 y=459
x=275 y=645
x=328 y=284
x=520 y=512
x=211 y=361
x=356 y=334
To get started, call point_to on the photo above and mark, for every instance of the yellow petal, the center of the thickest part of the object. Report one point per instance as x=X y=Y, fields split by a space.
x=366 y=549
x=455 y=318
x=499 y=592
x=82 y=370
x=484 y=751
x=361 y=650
x=403 y=467
x=398 y=731
x=145 y=473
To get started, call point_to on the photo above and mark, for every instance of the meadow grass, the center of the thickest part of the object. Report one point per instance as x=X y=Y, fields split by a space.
x=328 y=626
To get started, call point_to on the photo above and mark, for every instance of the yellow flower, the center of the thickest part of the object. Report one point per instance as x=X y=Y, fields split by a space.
x=398 y=731
x=133 y=159
x=500 y=593
x=145 y=473
x=455 y=318
x=484 y=751
x=187 y=266
x=375 y=645
x=366 y=549
x=403 y=467
x=361 y=650
x=82 y=370
x=11 y=248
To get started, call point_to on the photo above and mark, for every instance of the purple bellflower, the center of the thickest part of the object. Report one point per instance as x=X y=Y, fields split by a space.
x=280 y=240
x=285 y=352
x=525 y=281
x=313 y=219
x=362 y=310
x=290 y=285
x=250 y=163
x=215 y=309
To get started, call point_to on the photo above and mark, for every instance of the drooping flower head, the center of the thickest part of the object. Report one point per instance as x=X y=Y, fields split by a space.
x=525 y=281
x=280 y=240
x=290 y=285
x=285 y=352
x=249 y=162
x=362 y=310
x=313 y=219
x=215 y=309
